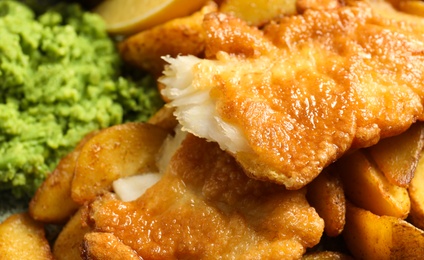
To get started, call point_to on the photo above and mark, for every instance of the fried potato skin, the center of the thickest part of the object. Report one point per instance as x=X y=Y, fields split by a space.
x=416 y=194
x=258 y=12
x=164 y=118
x=409 y=6
x=115 y=152
x=67 y=245
x=176 y=37
x=397 y=157
x=366 y=186
x=52 y=202
x=326 y=195
x=303 y=5
x=369 y=236
x=21 y=237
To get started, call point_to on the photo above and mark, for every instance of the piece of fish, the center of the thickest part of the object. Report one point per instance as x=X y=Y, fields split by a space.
x=204 y=207
x=289 y=99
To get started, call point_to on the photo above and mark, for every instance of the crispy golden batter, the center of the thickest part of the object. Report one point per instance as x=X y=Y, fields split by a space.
x=292 y=98
x=205 y=207
x=106 y=246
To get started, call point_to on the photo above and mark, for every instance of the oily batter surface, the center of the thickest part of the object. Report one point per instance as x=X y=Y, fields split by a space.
x=290 y=98
x=204 y=207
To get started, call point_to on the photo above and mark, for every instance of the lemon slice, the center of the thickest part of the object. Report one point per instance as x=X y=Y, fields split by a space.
x=131 y=16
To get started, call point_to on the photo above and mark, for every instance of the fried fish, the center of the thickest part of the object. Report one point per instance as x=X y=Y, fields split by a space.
x=204 y=207
x=288 y=99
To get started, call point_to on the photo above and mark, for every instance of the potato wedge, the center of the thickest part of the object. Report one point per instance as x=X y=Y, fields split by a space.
x=164 y=118
x=258 y=12
x=22 y=238
x=326 y=195
x=416 y=195
x=369 y=236
x=177 y=37
x=303 y=5
x=397 y=156
x=106 y=246
x=52 y=203
x=414 y=7
x=115 y=152
x=366 y=186
x=68 y=244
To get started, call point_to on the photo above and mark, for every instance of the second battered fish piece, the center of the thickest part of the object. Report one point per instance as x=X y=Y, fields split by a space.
x=205 y=207
x=290 y=99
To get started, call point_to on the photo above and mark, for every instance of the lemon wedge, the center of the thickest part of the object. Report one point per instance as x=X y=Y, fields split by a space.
x=130 y=16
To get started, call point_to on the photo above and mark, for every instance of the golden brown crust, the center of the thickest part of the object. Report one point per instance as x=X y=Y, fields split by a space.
x=307 y=88
x=105 y=246
x=177 y=37
x=21 y=237
x=206 y=207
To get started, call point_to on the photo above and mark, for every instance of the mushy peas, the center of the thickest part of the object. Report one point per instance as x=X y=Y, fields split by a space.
x=59 y=79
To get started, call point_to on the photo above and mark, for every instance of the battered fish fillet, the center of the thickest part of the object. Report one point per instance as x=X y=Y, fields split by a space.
x=205 y=207
x=291 y=98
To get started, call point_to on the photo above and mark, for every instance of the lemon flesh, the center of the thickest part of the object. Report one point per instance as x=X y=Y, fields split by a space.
x=131 y=16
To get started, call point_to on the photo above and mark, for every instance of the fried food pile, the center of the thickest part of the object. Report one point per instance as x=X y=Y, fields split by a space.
x=291 y=98
x=205 y=206
x=296 y=135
